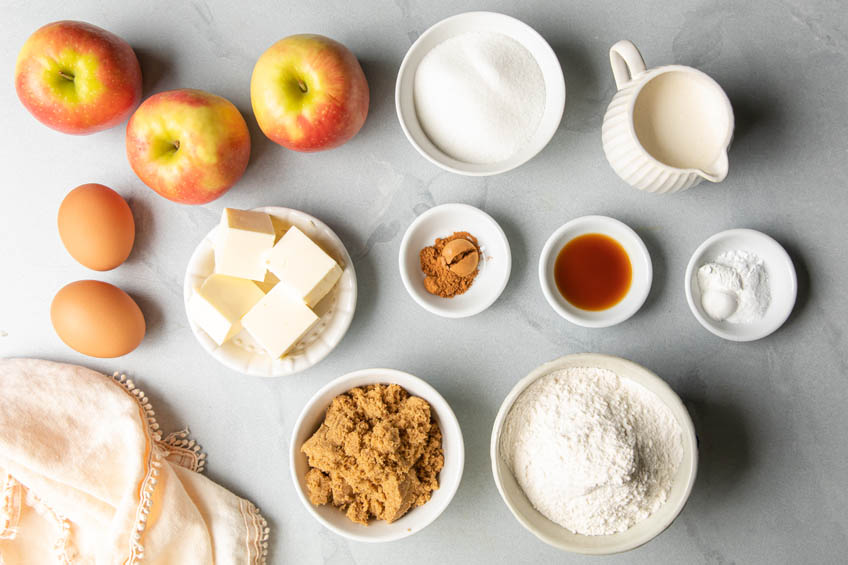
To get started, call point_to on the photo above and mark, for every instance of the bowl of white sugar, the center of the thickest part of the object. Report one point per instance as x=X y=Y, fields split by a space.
x=594 y=454
x=480 y=93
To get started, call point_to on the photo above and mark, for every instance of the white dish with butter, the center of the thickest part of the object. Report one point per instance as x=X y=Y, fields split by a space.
x=242 y=353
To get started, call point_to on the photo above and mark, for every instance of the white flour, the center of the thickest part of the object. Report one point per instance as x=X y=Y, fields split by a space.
x=734 y=287
x=479 y=96
x=592 y=452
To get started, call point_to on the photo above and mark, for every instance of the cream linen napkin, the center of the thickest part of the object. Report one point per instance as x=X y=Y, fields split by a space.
x=86 y=476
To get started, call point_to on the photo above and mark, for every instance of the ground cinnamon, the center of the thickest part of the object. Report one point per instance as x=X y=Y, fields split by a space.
x=450 y=268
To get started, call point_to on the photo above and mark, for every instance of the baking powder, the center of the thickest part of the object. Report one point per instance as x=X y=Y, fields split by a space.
x=479 y=96
x=593 y=452
x=735 y=287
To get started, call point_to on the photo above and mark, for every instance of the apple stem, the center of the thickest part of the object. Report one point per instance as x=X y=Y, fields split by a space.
x=302 y=86
x=66 y=75
x=176 y=145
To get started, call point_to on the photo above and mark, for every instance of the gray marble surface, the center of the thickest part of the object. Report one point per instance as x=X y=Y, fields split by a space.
x=771 y=415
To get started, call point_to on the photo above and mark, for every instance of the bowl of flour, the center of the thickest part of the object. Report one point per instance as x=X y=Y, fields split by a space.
x=594 y=454
x=480 y=93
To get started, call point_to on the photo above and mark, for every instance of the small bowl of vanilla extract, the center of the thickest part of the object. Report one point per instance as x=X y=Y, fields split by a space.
x=595 y=271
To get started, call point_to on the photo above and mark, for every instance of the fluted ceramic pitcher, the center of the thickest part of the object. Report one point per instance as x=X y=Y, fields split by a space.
x=667 y=128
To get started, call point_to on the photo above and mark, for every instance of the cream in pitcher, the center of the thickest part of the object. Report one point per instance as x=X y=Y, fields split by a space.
x=667 y=128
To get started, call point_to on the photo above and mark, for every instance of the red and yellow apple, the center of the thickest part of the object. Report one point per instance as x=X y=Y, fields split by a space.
x=309 y=93
x=77 y=78
x=188 y=145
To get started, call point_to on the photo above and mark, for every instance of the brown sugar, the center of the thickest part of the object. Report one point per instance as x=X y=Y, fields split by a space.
x=377 y=454
x=451 y=264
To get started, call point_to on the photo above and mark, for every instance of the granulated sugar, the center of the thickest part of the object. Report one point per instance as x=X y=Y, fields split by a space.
x=479 y=96
x=593 y=452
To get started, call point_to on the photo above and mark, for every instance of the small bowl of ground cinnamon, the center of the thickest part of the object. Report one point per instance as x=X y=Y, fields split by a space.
x=455 y=260
x=376 y=455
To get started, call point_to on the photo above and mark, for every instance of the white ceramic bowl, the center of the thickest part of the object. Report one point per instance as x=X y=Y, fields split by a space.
x=640 y=261
x=242 y=353
x=495 y=258
x=489 y=22
x=642 y=532
x=783 y=283
x=417 y=518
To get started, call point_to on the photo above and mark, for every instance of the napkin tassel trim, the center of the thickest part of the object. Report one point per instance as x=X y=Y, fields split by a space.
x=142 y=512
x=154 y=462
x=143 y=403
x=178 y=447
x=62 y=547
x=181 y=449
x=10 y=510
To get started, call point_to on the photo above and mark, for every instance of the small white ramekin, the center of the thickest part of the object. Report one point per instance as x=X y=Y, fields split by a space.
x=782 y=280
x=495 y=259
x=640 y=261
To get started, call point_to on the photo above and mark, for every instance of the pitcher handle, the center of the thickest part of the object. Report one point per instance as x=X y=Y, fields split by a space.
x=626 y=61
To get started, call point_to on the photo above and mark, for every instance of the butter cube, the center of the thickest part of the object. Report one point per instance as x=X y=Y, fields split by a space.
x=278 y=321
x=219 y=304
x=303 y=266
x=243 y=239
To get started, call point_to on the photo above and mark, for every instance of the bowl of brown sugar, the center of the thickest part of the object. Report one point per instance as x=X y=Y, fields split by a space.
x=376 y=455
x=454 y=260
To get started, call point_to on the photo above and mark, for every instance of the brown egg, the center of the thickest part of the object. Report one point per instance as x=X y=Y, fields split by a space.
x=96 y=226
x=97 y=319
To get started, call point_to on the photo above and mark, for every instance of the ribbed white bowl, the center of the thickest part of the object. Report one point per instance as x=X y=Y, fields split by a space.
x=627 y=157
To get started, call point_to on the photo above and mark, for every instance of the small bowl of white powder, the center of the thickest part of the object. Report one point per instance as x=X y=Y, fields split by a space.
x=741 y=284
x=480 y=93
x=594 y=454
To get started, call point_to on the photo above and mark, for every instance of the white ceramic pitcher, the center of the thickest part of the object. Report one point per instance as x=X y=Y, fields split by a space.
x=667 y=128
